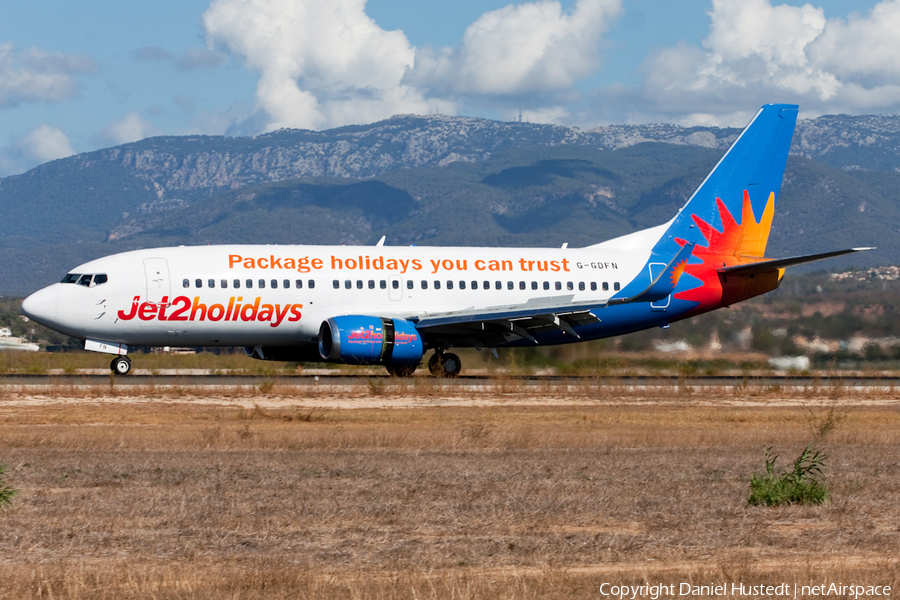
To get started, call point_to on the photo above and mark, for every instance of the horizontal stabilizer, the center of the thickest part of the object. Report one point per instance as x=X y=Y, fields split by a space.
x=665 y=282
x=781 y=263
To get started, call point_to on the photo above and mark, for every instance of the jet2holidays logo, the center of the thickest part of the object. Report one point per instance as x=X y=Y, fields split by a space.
x=183 y=309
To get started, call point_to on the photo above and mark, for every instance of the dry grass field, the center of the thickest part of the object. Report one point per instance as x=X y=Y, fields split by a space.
x=405 y=490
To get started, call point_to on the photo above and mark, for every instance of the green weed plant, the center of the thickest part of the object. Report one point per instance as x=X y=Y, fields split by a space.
x=801 y=485
x=6 y=492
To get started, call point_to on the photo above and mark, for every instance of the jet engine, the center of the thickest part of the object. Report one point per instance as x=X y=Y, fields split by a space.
x=363 y=340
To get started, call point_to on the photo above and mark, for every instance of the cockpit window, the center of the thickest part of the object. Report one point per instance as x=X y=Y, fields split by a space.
x=87 y=280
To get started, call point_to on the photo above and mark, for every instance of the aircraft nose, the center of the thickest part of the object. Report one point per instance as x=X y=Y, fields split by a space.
x=41 y=306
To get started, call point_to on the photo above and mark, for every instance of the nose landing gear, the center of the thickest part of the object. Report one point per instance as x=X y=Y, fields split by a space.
x=444 y=364
x=120 y=365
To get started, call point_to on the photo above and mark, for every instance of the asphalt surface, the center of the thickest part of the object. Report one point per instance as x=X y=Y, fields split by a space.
x=302 y=380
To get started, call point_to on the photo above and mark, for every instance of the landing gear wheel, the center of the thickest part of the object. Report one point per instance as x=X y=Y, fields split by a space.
x=120 y=365
x=444 y=364
x=434 y=364
x=401 y=370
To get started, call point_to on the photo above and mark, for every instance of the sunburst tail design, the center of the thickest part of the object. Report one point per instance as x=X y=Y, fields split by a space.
x=744 y=185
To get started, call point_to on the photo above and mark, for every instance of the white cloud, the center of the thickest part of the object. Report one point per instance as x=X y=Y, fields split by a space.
x=758 y=52
x=36 y=76
x=200 y=58
x=130 y=128
x=863 y=48
x=40 y=145
x=152 y=53
x=46 y=143
x=325 y=64
x=520 y=49
x=193 y=57
x=320 y=63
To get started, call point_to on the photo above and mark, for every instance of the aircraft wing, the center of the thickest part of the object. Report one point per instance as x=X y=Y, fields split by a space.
x=767 y=265
x=496 y=324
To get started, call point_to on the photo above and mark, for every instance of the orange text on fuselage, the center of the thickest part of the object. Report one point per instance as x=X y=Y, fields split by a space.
x=361 y=262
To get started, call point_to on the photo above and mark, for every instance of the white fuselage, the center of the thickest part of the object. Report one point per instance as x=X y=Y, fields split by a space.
x=242 y=295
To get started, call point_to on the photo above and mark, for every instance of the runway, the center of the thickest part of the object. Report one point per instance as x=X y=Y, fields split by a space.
x=342 y=379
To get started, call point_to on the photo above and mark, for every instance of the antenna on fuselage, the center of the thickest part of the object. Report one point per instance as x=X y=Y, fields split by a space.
x=380 y=242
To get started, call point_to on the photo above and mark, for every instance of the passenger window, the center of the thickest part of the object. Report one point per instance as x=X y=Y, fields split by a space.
x=462 y=284
x=371 y=284
x=581 y=286
x=570 y=286
x=198 y=283
x=100 y=279
x=274 y=284
x=558 y=285
x=312 y=283
x=546 y=285
x=409 y=284
x=593 y=286
x=534 y=285
x=249 y=283
x=348 y=284
x=224 y=283
x=486 y=286
x=212 y=283
x=395 y=284
x=382 y=284
x=605 y=286
x=71 y=278
x=437 y=285
x=616 y=286
x=509 y=285
x=474 y=285
x=424 y=285
x=287 y=284
x=337 y=284
x=498 y=285
x=262 y=284
x=298 y=284
x=237 y=284
x=359 y=284
x=521 y=285
x=186 y=283
x=449 y=285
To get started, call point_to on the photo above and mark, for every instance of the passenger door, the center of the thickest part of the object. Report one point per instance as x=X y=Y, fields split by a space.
x=157 y=272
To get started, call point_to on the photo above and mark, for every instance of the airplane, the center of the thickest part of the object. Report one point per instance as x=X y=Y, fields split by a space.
x=390 y=305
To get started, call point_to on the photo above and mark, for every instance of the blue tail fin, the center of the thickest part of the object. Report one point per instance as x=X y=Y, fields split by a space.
x=743 y=185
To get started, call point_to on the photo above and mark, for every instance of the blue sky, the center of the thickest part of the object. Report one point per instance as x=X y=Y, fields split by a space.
x=80 y=76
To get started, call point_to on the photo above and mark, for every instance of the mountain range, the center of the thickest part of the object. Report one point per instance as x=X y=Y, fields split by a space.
x=435 y=180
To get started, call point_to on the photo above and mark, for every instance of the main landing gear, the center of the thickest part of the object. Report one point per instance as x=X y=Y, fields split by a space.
x=120 y=365
x=444 y=364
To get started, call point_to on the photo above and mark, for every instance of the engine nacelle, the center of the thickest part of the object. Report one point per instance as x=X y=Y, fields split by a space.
x=362 y=340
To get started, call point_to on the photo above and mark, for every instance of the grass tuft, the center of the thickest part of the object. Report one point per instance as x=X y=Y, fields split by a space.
x=6 y=492
x=798 y=486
